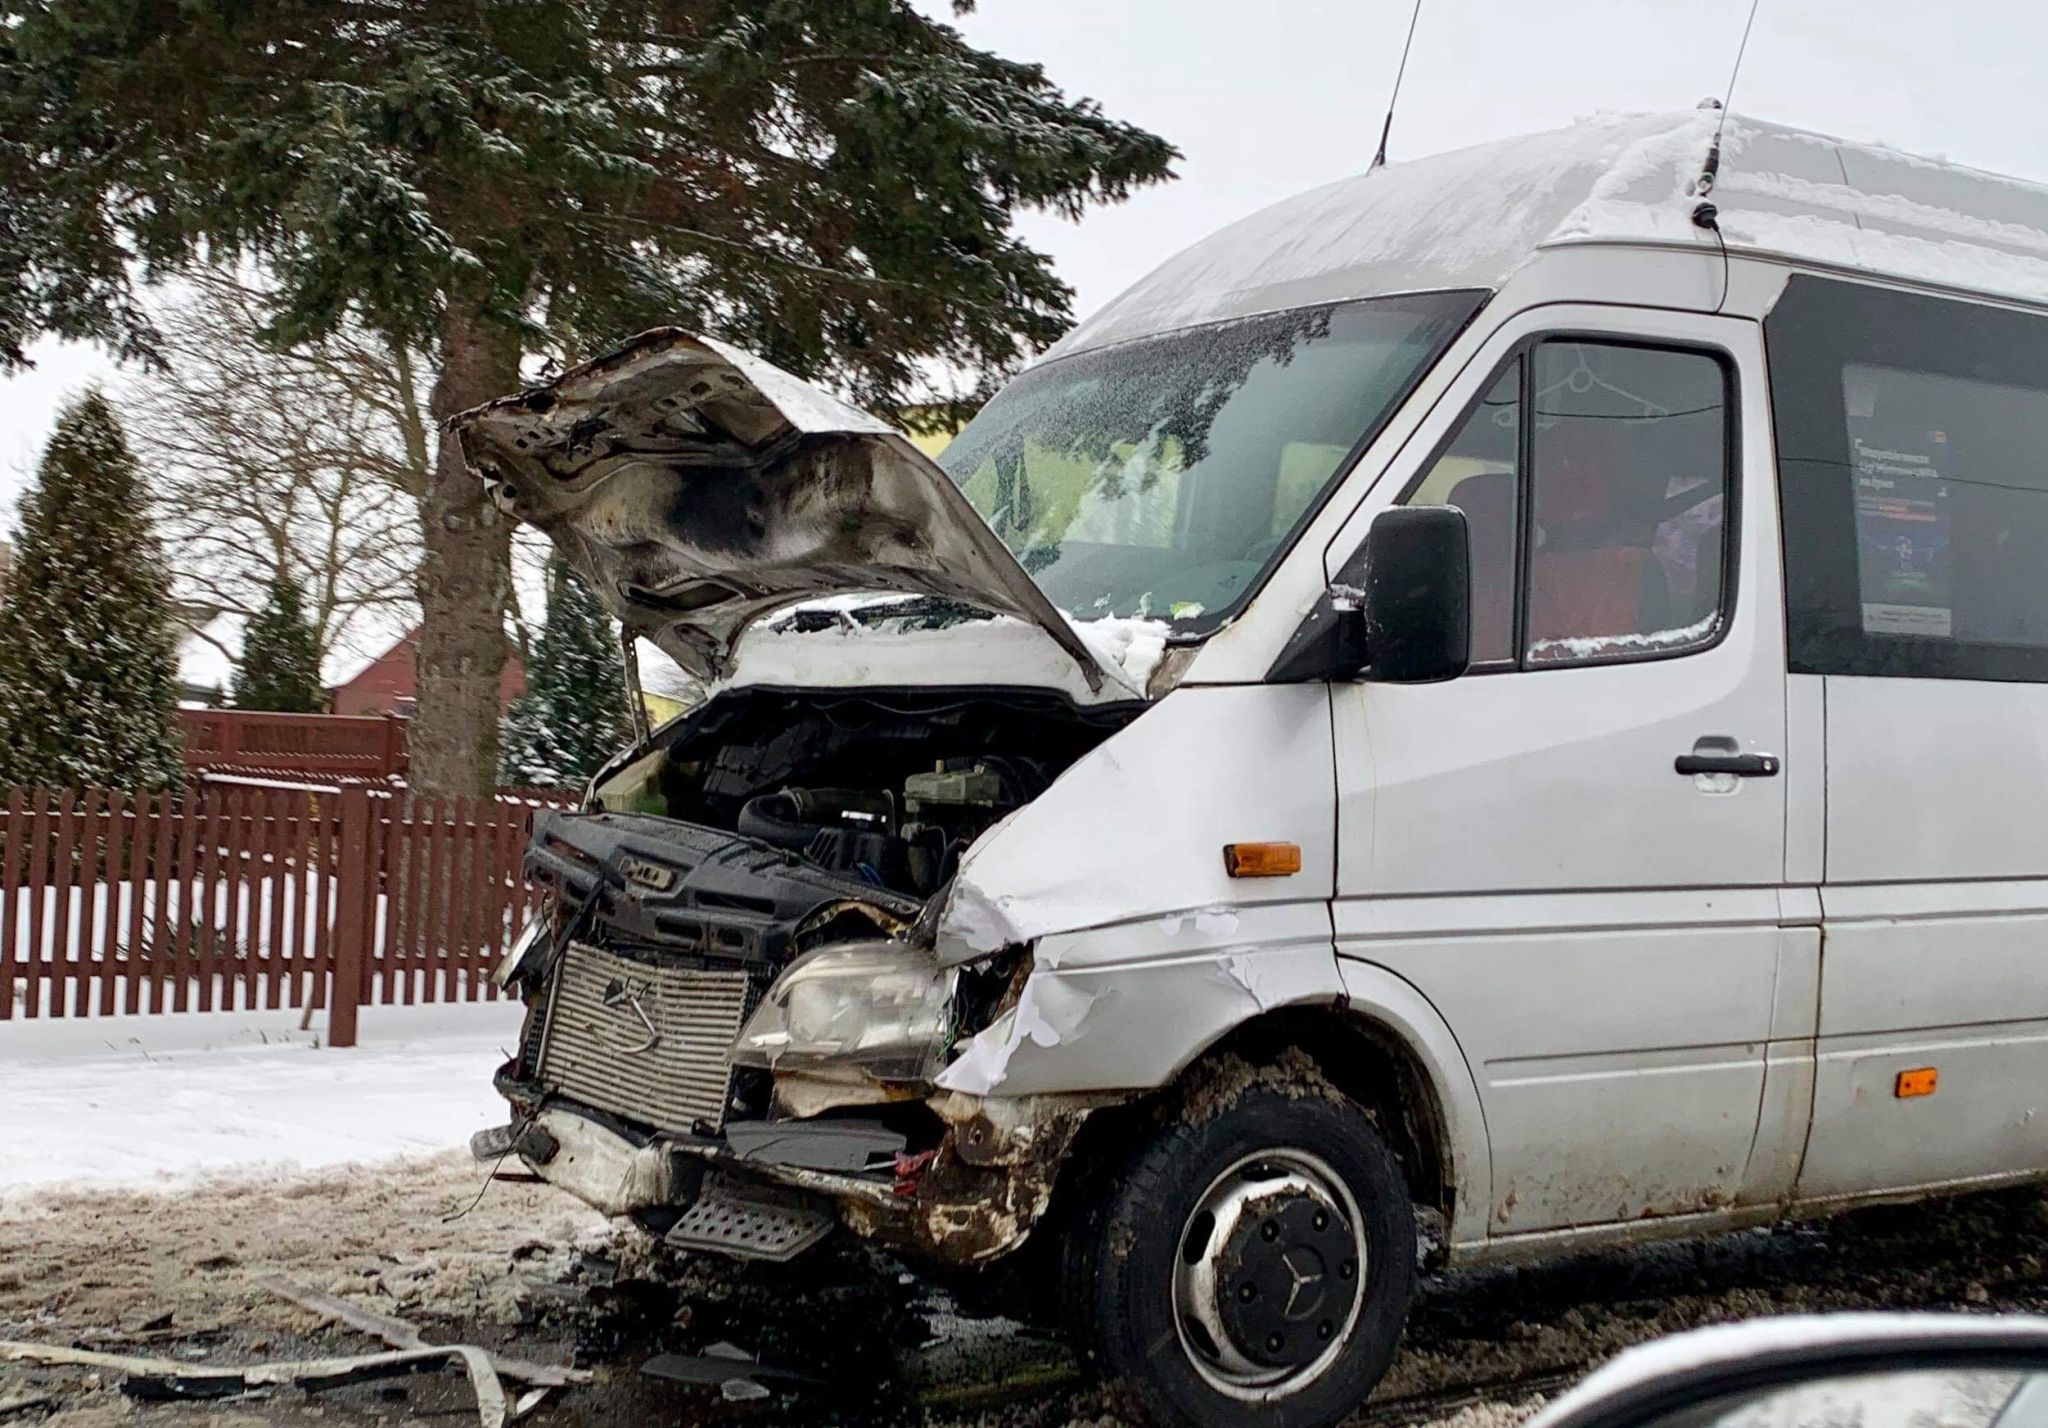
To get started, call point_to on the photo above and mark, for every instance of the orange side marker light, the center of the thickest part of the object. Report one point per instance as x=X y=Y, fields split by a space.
x=1918 y=1082
x=1261 y=860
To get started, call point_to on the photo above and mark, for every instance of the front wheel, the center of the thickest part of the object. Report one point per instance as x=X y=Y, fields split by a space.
x=1250 y=1266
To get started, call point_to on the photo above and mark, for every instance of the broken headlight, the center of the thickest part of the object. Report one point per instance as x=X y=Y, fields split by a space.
x=877 y=1007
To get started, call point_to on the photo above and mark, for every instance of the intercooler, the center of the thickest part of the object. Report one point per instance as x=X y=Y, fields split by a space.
x=644 y=1041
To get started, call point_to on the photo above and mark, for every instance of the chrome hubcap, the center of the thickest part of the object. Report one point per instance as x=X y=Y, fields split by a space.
x=1270 y=1277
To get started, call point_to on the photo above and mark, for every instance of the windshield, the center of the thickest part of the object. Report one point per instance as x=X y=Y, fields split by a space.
x=1160 y=477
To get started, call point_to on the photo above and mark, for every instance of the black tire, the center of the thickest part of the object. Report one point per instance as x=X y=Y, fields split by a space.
x=1124 y=1247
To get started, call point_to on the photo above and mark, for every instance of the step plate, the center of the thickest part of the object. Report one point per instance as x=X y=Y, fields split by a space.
x=744 y=1227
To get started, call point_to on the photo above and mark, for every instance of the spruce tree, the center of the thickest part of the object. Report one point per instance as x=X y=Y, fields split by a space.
x=574 y=713
x=835 y=184
x=280 y=665
x=88 y=656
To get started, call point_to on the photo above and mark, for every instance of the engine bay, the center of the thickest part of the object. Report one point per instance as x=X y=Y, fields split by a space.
x=768 y=824
x=883 y=789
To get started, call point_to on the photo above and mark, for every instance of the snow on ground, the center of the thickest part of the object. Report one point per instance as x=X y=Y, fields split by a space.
x=158 y=1100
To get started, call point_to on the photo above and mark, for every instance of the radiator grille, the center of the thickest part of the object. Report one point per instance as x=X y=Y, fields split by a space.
x=646 y=1042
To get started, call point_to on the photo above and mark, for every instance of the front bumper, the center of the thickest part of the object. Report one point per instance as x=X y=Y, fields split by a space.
x=973 y=1199
x=613 y=1170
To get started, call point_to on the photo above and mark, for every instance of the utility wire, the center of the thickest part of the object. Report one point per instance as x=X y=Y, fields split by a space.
x=1379 y=159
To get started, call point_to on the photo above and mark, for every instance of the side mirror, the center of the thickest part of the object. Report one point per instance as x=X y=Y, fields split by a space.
x=1987 y=1371
x=1399 y=611
x=1416 y=602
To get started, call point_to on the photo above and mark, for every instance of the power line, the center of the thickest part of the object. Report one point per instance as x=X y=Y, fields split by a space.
x=1379 y=159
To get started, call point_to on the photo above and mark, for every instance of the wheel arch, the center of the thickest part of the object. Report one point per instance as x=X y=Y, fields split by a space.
x=1383 y=1045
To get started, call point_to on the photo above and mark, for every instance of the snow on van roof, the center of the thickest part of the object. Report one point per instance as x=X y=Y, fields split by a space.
x=1472 y=217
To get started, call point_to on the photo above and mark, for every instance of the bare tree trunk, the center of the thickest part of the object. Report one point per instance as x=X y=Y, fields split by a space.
x=465 y=578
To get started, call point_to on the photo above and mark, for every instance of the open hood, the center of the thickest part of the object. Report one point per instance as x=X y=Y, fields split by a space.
x=698 y=488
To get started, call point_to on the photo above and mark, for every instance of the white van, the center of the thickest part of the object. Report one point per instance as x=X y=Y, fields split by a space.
x=1475 y=713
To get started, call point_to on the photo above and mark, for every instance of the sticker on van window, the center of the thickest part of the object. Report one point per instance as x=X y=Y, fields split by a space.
x=1902 y=530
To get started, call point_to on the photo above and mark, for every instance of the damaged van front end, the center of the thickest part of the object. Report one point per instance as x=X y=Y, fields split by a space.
x=749 y=983
x=740 y=1048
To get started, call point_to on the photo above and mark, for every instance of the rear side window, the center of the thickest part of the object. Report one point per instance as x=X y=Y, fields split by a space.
x=1912 y=439
x=1594 y=479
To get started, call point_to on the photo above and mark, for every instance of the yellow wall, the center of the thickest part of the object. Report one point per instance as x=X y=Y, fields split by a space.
x=660 y=708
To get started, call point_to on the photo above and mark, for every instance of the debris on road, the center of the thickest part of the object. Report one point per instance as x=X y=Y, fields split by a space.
x=534 y=1276
x=732 y=1369
x=170 y=1379
x=403 y=1334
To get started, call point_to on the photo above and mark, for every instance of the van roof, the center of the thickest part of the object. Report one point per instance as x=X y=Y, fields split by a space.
x=1472 y=217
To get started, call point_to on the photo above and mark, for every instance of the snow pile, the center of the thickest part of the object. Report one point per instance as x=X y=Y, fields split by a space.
x=802 y=405
x=1601 y=646
x=158 y=1100
x=999 y=650
x=1130 y=646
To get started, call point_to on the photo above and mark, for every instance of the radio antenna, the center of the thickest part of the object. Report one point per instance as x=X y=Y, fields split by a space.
x=1712 y=168
x=1735 y=72
x=1379 y=159
x=1705 y=214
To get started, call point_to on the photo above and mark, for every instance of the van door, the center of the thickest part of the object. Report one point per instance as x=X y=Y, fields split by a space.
x=1913 y=444
x=1574 y=850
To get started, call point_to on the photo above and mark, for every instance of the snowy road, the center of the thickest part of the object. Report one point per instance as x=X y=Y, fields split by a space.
x=145 y=1188
x=527 y=1270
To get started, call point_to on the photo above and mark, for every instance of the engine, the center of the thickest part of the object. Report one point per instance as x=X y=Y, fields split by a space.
x=888 y=789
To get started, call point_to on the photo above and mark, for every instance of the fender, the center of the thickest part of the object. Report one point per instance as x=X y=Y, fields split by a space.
x=1127 y=1008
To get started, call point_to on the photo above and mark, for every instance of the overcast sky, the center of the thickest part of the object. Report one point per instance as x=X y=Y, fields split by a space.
x=1268 y=99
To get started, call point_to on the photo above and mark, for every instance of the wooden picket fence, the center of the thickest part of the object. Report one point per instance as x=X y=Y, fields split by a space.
x=255 y=895
x=330 y=745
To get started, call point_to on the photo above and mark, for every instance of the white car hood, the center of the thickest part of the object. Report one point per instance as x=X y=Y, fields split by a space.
x=698 y=488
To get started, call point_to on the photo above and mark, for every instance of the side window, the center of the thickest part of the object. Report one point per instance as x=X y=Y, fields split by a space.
x=1477 y=471
x=1594 y=480
x=1912 y=443
x=1947 y=467
x=1629 y=477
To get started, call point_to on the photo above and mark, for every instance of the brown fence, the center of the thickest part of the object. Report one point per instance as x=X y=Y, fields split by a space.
x=336 y=745
x=245 y=896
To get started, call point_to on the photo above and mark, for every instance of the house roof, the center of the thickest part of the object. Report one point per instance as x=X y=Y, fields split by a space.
x=209 y=641
x=1472 y=217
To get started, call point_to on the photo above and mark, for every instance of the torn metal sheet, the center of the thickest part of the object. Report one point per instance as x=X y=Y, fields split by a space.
x=1050 y=1010
x=726 y=1367
x=170 y=1379
x=1125 y=1008
x=403 y=1334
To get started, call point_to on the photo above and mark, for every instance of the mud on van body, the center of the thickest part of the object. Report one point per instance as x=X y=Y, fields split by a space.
x=1374 y=731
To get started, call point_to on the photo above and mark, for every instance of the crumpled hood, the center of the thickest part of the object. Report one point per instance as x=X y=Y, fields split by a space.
x=698 y=488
